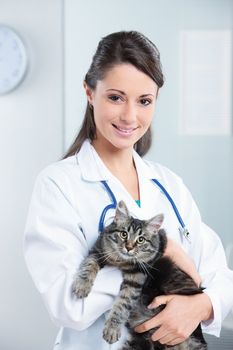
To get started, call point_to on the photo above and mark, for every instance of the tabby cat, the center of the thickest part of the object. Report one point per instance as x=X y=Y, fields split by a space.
x=136 y=247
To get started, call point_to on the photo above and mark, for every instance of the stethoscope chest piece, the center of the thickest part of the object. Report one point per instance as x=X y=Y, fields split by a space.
x=184 y=233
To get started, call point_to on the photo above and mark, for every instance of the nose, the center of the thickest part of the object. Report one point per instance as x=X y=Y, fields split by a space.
x=129 y=114
x=129 y=245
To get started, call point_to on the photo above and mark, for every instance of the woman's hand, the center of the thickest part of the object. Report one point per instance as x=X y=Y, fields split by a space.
x=179 y=318
x=181 y=259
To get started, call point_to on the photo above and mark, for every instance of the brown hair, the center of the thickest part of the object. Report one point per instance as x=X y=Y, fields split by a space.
x=116 y=48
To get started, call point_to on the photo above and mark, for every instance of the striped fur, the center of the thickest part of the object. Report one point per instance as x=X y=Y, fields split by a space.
x=136 y=247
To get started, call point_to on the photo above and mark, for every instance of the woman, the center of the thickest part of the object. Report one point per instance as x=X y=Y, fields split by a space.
x=121 y=86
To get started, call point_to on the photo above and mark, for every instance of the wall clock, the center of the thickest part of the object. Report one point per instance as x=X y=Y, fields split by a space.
x=13 y=59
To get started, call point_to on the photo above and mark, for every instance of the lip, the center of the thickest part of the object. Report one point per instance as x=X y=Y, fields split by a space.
x=124 y=131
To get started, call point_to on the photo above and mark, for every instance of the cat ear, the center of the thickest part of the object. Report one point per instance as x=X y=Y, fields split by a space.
x=155 y=223
x=122 y=213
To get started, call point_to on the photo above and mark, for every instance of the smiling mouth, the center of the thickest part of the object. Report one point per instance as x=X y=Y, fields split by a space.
x=124 y=130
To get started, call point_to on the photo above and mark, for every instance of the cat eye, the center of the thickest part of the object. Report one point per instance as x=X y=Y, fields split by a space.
x=123 y=235
x=140 y=240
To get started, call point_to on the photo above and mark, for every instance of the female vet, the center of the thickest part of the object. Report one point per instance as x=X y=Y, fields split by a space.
x=105 y=164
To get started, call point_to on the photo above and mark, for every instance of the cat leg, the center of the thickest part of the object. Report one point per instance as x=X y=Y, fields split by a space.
x=85 y=277
x=121 y=309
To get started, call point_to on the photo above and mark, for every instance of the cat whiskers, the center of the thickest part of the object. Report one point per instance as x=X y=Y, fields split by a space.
x=142 y=265
x=145 y=265
x=151 y=267
x=107 y=255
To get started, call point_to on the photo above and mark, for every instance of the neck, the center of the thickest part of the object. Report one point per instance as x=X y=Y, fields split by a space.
x=115 y=159
x=121 y=164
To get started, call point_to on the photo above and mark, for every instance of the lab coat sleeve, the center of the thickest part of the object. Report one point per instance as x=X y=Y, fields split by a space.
x=54 y=246
x=217 y=279
x=207 y=250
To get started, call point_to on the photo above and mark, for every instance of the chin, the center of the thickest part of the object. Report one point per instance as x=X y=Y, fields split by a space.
x=123 y=145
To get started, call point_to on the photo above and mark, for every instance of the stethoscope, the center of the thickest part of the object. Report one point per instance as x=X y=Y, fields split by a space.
x=182 y=228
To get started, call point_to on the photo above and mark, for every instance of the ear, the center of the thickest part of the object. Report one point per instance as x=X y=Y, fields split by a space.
x=89 y=92
x=155 y=223
x=122 y=213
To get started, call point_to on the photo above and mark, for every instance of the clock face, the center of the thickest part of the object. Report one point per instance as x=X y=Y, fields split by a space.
x=13 y=60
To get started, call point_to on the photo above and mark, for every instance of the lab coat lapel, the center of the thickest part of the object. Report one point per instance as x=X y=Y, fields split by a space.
x=93 y=170
x=91 y=166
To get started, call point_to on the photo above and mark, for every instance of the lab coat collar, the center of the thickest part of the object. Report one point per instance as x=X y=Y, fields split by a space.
x=93 y=169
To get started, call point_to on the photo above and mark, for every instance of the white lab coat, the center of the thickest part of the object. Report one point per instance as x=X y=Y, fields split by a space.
x=62 y=225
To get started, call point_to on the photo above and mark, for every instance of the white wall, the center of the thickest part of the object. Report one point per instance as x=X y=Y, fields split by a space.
x=31 y=136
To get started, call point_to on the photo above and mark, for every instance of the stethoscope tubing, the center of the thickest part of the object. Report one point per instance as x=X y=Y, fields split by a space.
x=176 y=211
x=113 y=205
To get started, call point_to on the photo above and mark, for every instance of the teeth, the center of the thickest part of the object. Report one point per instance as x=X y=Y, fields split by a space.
x=127 y=131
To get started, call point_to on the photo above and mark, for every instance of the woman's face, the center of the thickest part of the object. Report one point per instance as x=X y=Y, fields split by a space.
x=123 y=104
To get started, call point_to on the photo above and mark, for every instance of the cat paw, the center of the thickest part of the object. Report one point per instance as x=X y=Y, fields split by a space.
x=111 y=332
x=81 y=288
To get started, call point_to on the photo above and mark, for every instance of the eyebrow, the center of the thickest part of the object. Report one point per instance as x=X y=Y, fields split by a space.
x=123 y=93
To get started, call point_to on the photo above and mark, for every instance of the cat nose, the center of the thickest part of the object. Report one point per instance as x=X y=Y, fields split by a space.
x=129 y=246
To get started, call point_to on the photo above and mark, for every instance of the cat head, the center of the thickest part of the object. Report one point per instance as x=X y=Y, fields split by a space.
x=131 y=239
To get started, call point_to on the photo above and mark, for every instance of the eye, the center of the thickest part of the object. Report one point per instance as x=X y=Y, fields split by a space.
x=145 y=101
x=123 y=235
x=140 y=240
x=115 y=98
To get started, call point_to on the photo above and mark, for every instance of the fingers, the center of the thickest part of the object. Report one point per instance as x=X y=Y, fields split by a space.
x=163 y=334
x=170 y=339
x=155 y=321
x=151 y=323
x=176 y=321
x=169 y=336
